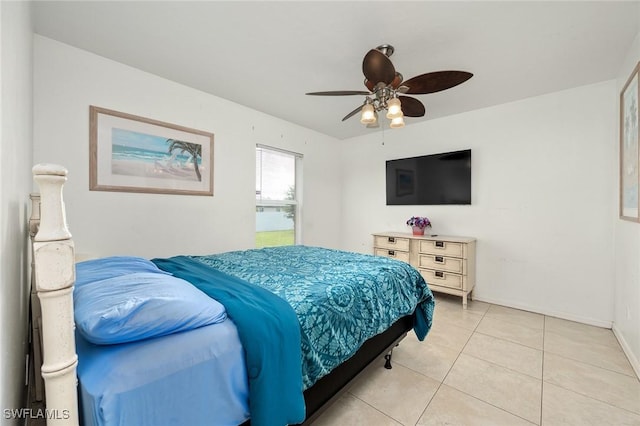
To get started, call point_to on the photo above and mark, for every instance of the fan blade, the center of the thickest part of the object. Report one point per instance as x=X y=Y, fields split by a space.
x=377 y=67
x=432 y=82
x=352 y=113
x=370 y=84
x=411 y=107
x=339 y=93
x=397 y=80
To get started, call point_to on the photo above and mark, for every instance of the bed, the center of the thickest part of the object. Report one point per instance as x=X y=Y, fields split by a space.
x=272 y=353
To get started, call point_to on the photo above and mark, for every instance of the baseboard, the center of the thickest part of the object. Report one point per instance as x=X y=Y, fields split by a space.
x=551 y=313
x=633 y=359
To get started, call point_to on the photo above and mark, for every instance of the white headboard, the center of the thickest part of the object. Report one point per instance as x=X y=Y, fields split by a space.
x=54 y=277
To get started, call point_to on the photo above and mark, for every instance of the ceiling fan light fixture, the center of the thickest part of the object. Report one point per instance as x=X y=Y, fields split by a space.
x=394 y=108
x=368 y=114
x=385 y=85
x=397 y=123
x=374 y=124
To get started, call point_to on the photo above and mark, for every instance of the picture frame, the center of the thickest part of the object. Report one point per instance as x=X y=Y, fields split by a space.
x=629 y=150
x=129 y=153
x=405 y=181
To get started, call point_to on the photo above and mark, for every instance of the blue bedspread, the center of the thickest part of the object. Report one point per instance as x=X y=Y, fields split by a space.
x=341 y=298
x=269 y=332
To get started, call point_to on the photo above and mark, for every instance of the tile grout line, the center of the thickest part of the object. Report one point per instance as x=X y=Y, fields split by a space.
x=546 y=322
x=428 y=403
x=594 y=399
x=504 y=340
x=509 y=341
x=493 y=405
x=464 y=346
x=545 y=352
x=511 y=370
x=379 y=411
x=616 y=348
x=593 y=366
x=573 y=390
x=473 y=396
x=590 y=396
x=590 y=363
x=441 y=382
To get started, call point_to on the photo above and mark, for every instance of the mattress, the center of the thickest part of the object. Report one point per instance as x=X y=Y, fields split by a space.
x=118 y=385
x=337 y=301
x=341 y=298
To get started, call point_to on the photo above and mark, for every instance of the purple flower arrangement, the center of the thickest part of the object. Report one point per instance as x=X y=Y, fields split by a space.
x=420 y=222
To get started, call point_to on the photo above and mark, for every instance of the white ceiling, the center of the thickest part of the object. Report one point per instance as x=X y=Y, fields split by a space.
x=267 y=55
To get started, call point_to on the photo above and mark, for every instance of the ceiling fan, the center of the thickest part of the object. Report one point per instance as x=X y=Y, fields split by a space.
x=386 y=89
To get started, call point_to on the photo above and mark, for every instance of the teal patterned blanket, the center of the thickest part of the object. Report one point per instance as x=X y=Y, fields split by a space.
x=341 y=298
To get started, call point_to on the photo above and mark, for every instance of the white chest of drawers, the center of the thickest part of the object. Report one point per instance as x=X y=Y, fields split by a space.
x=447 y=263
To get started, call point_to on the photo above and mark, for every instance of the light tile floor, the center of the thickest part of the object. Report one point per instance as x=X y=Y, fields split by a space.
x=491 y=365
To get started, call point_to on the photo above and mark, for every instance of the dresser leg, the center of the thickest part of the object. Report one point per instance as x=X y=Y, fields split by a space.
x=464 y=301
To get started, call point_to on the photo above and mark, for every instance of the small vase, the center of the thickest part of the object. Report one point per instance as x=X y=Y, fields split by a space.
x=417 y=230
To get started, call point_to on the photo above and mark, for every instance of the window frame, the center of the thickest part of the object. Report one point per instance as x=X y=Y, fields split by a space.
x=297 y=201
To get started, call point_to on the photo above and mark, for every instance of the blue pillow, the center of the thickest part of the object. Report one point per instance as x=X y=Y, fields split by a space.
x=140 y=306
x=109 y=267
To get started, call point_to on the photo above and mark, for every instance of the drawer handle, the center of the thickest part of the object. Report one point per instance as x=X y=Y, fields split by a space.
x=391 y=239
x=439 y=259
x=391 y=252
x=440 y=244
x=439 y=274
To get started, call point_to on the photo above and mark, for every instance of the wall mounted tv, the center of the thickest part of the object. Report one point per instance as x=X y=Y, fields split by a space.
x=430 y=179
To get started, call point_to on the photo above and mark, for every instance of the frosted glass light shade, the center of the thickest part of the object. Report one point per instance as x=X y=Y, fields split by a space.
x=394 y=109
x=368 y=114
x=397 y=123
x=375 y=122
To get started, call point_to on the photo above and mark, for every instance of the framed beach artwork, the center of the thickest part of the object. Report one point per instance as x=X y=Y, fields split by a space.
x=629 y=152
x=136 y=154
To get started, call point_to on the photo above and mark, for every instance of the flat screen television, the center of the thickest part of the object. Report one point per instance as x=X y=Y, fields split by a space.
x=430 y=179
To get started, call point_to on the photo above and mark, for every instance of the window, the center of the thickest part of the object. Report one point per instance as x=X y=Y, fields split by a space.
x=277 y=197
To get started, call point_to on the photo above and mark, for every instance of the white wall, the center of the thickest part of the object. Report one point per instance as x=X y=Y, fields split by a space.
x=544 y=184
x=16 y=40
x=627 y=250
x=542 y=199
x=67 y=80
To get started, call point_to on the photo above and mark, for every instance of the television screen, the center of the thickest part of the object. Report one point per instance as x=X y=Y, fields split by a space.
x=430 y=179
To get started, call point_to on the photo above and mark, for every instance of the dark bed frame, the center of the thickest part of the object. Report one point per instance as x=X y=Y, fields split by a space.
x=329 y=388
